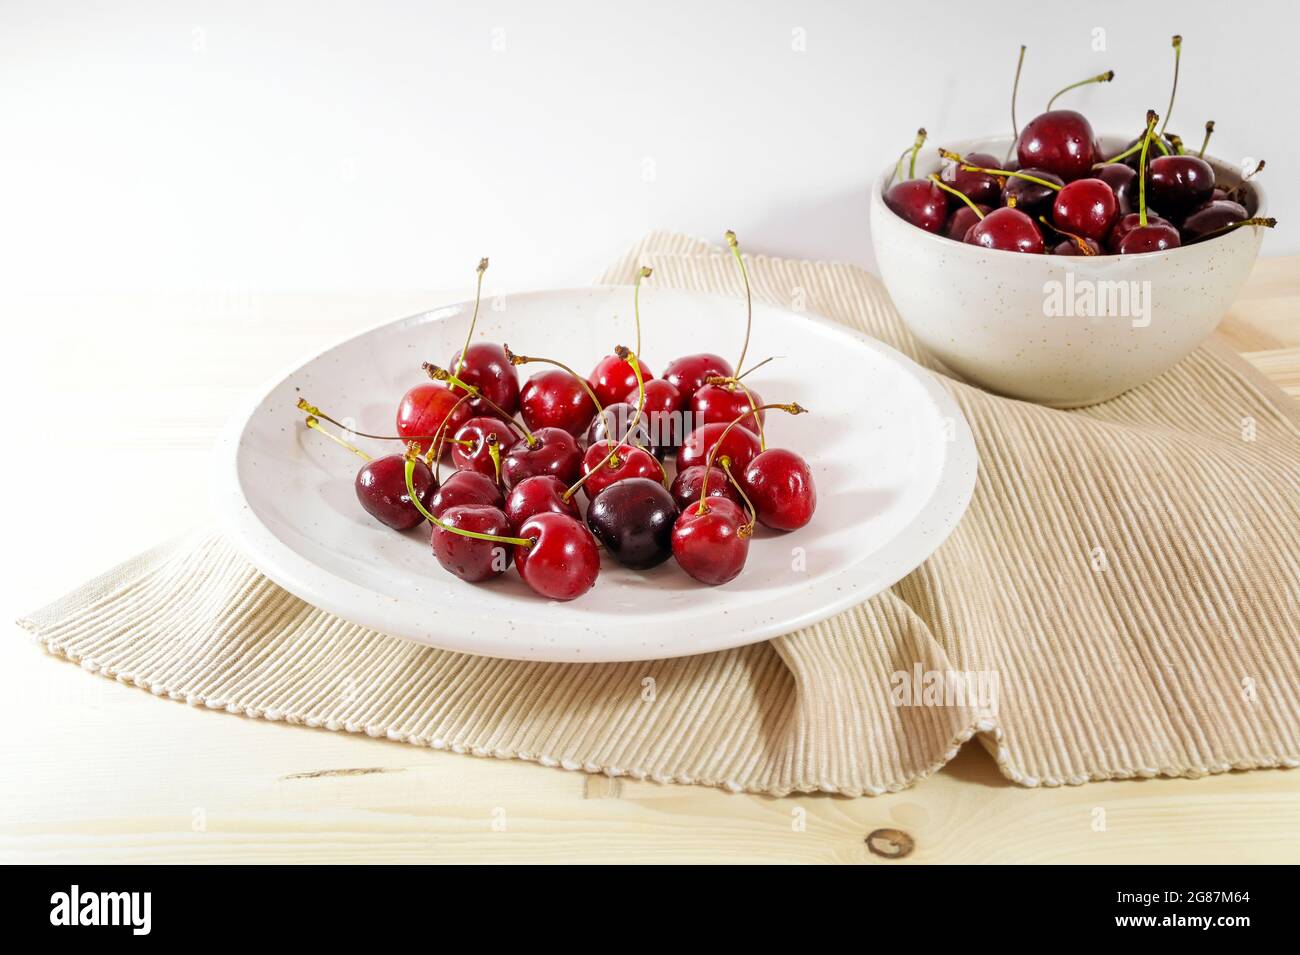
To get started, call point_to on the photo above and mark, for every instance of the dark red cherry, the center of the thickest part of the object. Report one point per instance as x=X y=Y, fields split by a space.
x=1009 y=230
x=539 y=494
x=476 y=457
x=962 y=218
x=686 y=486
x=920 y=202
x=465 y=488
x=1127 y=224
x=629 y=462
x=1123 y=182
x=634 y=520
x=1032 y=198
x=740 y=447
x=1068 y=246
x=1179 y=182
x=664 y=413
x=381 y=489
x=780 y=487
x=689 y=373
x=613 y=424
x=711 y=546
x=1210 y=217
x=979 y=187
x=424 y=408
x=489 y=370
x=563 y=561
x=555 y=399
x=551 y=451
x=471 y=558
x=726 y=403
x=1060 y=141
x=1086 y=207
x=1149 y=238
x=613 y=378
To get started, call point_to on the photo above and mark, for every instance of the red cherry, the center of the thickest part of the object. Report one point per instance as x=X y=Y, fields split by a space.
x=741 y=446
x=425 y=407
x=962 y=218
x=551 y=451
x=714 y=403
x=1179 y=182
x=1123 y=182
x=613 y=377
x=1127 y=224
x=464 y=488
x=489 y=370
x=1032 y=198
x=629 y=462
x=780 y=487
x=1060 y=141
x=689 y=373
x=686 y=486
x=539 y=494
x=711 y=546
x=1211 y=217
x=475 y=457
x=381 y=489
x=1086 y=207
x=1149 y=238
x=663 y=413
x=614 y=423
x=563 y=561
x=1009 y=230
x=978 y=187
x=920 y=202
x=470 y=558
x=555 y=399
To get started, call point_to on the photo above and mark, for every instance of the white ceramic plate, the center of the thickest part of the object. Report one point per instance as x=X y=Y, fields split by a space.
x=892 y=457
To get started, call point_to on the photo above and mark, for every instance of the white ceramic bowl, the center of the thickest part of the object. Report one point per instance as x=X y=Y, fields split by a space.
x=1021 y=325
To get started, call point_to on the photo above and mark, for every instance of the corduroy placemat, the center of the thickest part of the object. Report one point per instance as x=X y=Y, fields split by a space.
x=1127 y=574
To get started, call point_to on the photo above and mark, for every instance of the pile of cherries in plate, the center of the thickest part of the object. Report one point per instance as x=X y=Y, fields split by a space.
x=1061 y=195
x=515 y=494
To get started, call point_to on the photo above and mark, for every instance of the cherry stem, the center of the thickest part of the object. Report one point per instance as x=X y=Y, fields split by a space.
x=746 y=529
x=527 y=359
x=1177 y=44
x=478 y=294
x=749 y=301
x=921 y=134
x=494 y=452
x=1016 y=173
x=793 y=408
x=1099 y=78
x=1152 y=119
x=1078 y=240
x=441 y=374
x=311 y=409
x=1267 y=222
x=934 y=177
x=415 y=499
x=1209 y=131
x=434 y=455
x=313 y=423
x=643 y=273
x=612 y=458
x=1015 y=92
x=1176 y=142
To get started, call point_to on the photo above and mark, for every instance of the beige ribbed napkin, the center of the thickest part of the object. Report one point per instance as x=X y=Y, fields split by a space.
x=1126 y=573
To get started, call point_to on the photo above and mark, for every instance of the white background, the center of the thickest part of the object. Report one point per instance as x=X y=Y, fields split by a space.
x=253 y=146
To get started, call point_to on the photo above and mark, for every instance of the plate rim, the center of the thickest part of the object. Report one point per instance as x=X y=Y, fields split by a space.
x=952 y=494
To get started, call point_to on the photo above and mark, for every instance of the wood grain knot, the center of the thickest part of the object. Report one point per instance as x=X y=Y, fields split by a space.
x=890 y=843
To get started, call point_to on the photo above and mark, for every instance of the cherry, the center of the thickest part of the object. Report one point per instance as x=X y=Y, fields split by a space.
x=710 y=540
x=538 y=494
x=1179 y=182
x=604 y=466
x=381 y=489
x=1122 y=180
x=689 y=483
x=689 y=373
x=979 y=187
x=920 y=202
x=1087 y=207
x=552 y=399
x=424 y=409
x=634 y=519
x=962 y=219
x=485 y=441
x=465 y=488
x=663 y=413
x=1127 y=224
x=561 y=560
x=1009 y=230
x=1032 y=198
x=1211 y=216
x=1149 y=238
x=485 y=368
x=1060 y=141
x=721 y=403
x=780 y=488
x=619 y=422
x=473 y=559
x=547 y=451
x=740 y=446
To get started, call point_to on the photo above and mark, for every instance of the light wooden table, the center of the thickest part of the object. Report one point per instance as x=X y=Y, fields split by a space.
x=112 y=404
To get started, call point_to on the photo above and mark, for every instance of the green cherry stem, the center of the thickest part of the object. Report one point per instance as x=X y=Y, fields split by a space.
x=921 y=135
x=643 y=273
x=1016 y=173
x=792 y=408
x=314 y=423
x=434 y=454
x=478 y=294
x=528 y=359
x=1099 y=78
x=934 y=177
x=1267 y=222
x=1015 y=92
x=1152 y=119
x=1209 y=131
x=749 y=301
x=1177 y=43
x=311 y=409
x=415 y=499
